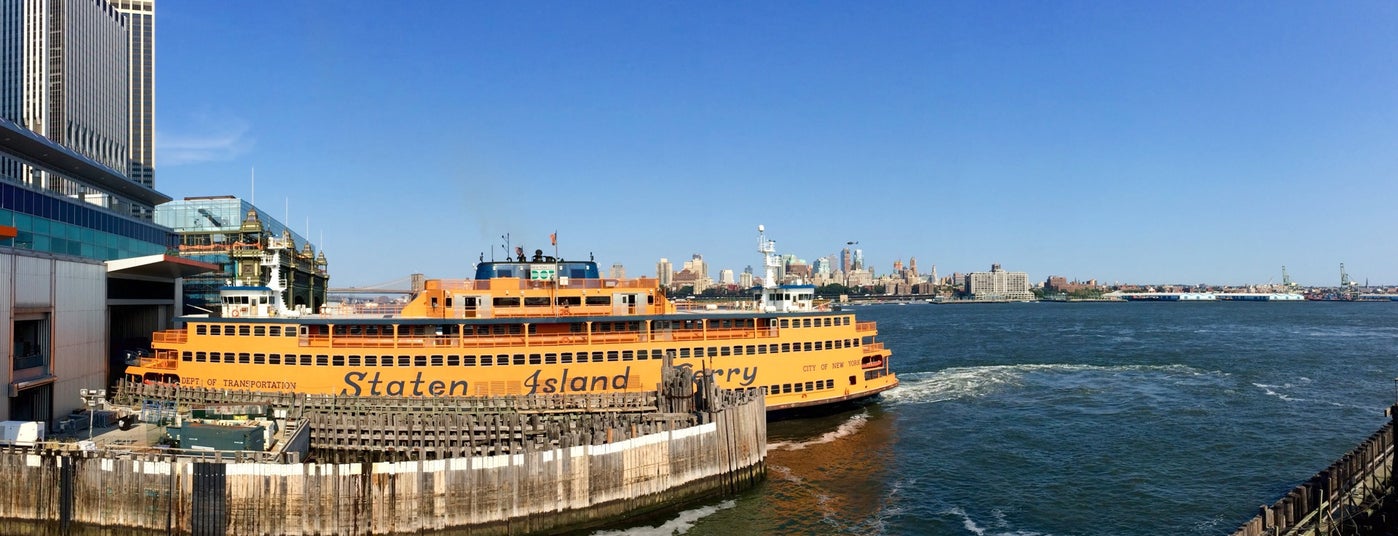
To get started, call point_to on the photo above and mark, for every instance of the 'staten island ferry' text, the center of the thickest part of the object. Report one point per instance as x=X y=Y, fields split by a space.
x=525 y=326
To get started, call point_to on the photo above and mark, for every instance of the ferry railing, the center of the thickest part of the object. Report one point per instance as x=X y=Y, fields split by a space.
x=515 y=283
x=863 y=327
x=155 y=362
x=873 y=348
x=175 y=336
x=520 y=340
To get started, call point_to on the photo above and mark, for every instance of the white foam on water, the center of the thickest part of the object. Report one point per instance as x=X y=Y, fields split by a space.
x=967 y=382
x=998 y=527
x=1270 y=390
x=847 y=428
x=679 y=525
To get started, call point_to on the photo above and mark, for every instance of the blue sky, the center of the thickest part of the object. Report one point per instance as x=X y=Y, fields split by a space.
x=1123 y=141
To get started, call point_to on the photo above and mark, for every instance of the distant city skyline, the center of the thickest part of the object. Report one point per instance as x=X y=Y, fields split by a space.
x=1144 y=143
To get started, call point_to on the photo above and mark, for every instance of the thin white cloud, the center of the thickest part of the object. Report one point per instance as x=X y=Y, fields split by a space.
x=205 y=137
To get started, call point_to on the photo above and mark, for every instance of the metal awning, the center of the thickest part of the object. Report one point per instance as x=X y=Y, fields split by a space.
x=159 y=266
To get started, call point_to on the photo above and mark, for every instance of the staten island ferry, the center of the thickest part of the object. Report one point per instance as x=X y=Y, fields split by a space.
x=525 y=326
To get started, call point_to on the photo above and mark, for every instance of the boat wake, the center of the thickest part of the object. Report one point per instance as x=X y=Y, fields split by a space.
x=847 y=428
x=997 y=527
x=679 y=525
x=969 y=382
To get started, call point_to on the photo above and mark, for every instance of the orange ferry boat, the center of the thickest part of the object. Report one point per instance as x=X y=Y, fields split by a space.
x=537 y=326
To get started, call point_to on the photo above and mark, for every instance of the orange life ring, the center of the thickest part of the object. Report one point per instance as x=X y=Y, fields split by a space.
x=235 y=313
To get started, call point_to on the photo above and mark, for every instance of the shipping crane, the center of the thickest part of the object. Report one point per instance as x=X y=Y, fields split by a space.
x=1348 y=288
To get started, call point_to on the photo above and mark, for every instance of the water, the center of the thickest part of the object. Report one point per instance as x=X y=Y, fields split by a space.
x=1058 y=419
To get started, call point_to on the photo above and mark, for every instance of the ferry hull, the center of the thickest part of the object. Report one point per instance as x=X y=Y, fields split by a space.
x=799 y=360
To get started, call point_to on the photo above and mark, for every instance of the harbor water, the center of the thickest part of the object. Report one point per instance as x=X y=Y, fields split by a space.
x=1076 y=419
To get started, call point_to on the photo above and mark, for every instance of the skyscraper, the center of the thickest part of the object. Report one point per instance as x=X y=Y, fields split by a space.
x=140 y=56
x=66 y=74
x=665 y=272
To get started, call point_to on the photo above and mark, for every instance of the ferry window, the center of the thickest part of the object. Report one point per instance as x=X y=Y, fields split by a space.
x=750 y=349
x=259 y=359
x=805 y=323
x=724 y=351
x=487 y=360
x=604 y=327
x=201 y=329
x=338 y=361
x=453 y=361
x=684 y=352
x=243 y=331
x=502 y=360
x=542 y=301
x=535 y=359
x=786 y=347
x=786 y=388
x=809 y=386
x=611 y=355
x=550 y=359
x=519 y=359
x=575 y=328
x=761 y=349
x=436 y=360
x=567 y=357
x=468 y=360
x=657 y=354
x=598 y=300
x=569 y=300
x=355 y=361
x=507 y=302
x=827 y=322
x=274 y=359
x=244 y=358
x=808 y=347
x=275 y=331
x=514 y=329
x=799 y=389
x=533 y=329
x=292 y=331
x=498 y=329
x=582 y=357
x=713 y=351
x=597 y=357
x=259 y=331
x=628 y=355
x=187 y=356
x=322 y=360
x=839 y=343
x=216 y=329
x=727 y=323
x=785 y=322
x=371 y=361
x=215 y=357
x=404 y=361
x=851 y=380
x=200 y=357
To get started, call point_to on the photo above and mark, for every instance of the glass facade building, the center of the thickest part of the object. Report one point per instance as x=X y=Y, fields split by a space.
x=56 y=224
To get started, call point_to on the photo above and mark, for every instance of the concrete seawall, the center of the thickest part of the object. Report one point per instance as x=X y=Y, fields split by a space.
x=536 y=491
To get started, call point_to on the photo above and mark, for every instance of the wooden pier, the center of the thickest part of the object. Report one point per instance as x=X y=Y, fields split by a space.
x=1353 y=494
x=522 y=465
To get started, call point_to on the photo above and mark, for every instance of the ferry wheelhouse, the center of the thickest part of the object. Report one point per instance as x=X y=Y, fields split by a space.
x=525 y=326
